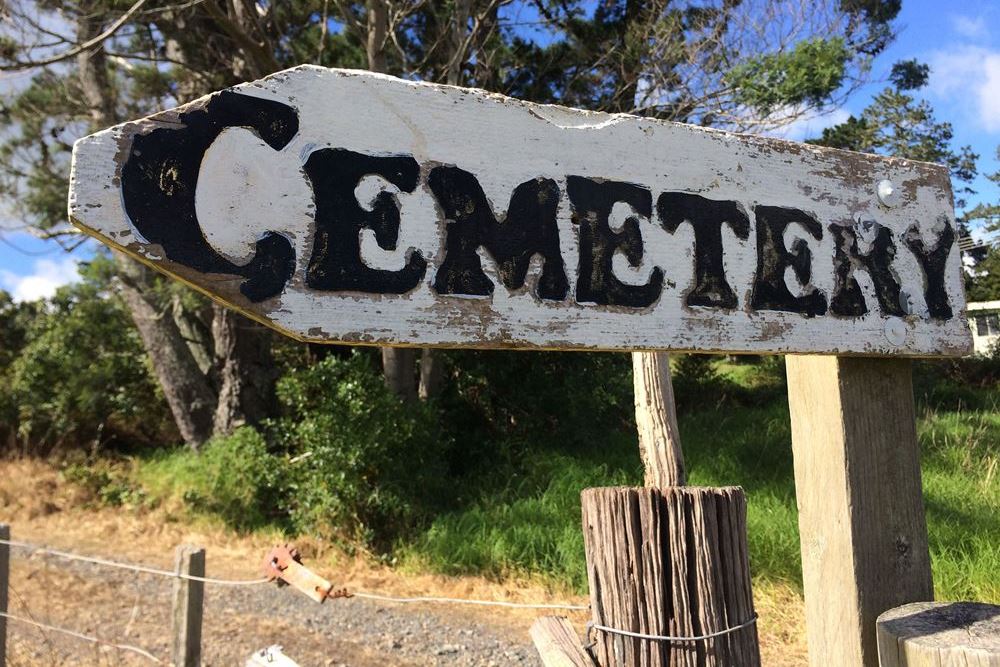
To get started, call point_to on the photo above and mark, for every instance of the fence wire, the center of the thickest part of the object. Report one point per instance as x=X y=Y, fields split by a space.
x=87 y=638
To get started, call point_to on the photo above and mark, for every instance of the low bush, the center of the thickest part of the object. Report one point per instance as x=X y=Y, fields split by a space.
x=239 y=480
x=368 y=468
x=106 y=482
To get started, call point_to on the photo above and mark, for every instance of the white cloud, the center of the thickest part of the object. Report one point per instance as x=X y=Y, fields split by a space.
x=970 y=73
x=47 y=275
x=810 y=125
x=967 y=26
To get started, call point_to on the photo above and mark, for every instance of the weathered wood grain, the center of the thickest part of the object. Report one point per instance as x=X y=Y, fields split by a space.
x=188 y=606
x=669 y=562
x=264 y=216
x=862 y=529
x=558 y=644
x=656 y=420
x=940 y=634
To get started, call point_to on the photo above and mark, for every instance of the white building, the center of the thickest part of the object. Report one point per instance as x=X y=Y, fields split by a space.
x=984 y=319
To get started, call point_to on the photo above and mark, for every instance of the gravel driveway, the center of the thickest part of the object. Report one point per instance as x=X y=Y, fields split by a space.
x=124 y=607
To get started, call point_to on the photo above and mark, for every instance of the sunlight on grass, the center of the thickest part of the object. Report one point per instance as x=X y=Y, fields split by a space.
x=528 y=524
x=539 y=532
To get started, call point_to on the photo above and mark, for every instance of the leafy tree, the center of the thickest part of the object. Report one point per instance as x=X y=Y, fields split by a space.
x=732 y=64
x=985 y=284
x=897 y=124
x=80 y=375
x=214 y=367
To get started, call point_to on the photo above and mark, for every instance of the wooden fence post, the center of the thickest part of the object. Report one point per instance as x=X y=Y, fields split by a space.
x=929 y=634
x=4 y=583
x=857 y=483
x=669 y=562
x=189 y=598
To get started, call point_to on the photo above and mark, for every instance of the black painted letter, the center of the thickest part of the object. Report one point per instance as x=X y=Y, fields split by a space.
x=528 y=229
x=933 y=263
x=706 y=218
x=592 y=202
x=160 y=177
x=336 y=259
x=847 y=297
x=769 y=290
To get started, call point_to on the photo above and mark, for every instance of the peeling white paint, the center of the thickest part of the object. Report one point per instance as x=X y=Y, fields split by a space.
x=246 y=189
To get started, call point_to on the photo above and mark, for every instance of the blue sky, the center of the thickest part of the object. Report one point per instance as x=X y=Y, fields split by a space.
x=957 y=39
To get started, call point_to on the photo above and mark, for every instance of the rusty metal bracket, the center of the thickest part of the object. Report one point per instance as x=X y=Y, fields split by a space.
x=284 y=565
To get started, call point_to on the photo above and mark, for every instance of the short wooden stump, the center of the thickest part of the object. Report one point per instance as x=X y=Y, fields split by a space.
x=942 y=634
x=670 y=562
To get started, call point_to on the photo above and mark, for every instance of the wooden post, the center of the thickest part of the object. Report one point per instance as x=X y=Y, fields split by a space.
x=4 y=584
x=669 y=562
x=558 y=644
x=189 y=598
x=656 y=420
x=857 y=482
x=930 y=634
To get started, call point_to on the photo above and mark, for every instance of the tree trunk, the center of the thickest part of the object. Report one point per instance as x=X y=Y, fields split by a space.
x=196 y=330
x=431 y=373
x=656 y=420
x=458 y=35
x=189 y=396
x=378 y=26
x=245 y=370
x=398 y=366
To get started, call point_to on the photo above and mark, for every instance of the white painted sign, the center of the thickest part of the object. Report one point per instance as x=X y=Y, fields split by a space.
x=348 y=206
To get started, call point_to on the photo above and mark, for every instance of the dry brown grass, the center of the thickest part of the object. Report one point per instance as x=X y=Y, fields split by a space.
x=43 y=509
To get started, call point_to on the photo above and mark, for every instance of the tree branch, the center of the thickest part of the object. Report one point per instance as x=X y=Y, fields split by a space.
x=89 y=44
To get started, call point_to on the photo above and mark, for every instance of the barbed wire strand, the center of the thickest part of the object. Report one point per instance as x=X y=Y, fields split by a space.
x=484 y=603
x=667 y=638
x=36 y=549
x=87 y=638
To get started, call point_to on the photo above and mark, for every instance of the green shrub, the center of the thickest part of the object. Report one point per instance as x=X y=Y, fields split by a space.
x=959 y=384
x=698 y=384
x=500 y=405
x=239 y=480
x=368 y=468
x=109 y=484
x=80 y=376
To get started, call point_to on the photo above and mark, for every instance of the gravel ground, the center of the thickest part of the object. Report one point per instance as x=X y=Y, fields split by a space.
x=130 y=608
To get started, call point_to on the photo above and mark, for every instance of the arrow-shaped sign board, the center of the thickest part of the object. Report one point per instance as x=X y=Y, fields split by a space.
x=346 y=206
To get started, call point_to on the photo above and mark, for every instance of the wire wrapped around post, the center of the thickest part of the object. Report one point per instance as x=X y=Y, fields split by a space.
x=669 y=563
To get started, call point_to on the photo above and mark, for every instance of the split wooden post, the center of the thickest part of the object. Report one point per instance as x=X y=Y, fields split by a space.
x=558 y=644
x=669 y=562
x=4 y=584
x=862 y=529
x=930 y=634
x=189 y=598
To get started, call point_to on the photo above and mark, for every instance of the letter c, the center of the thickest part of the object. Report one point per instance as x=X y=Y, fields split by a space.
x=160 y=176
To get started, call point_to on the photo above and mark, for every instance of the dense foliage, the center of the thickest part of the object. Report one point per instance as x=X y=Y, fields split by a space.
x=73 y=372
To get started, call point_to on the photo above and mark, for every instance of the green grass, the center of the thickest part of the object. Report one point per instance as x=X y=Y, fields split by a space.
x=533 y=527
x=528 y=524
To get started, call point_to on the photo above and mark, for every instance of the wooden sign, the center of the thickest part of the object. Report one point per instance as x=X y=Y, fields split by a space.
x=348 y=206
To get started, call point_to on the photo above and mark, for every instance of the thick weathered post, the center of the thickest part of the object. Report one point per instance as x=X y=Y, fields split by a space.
x=931 y=634
x=189 y=598
x=669 y=562
x=861 y=515
x=4 y=583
